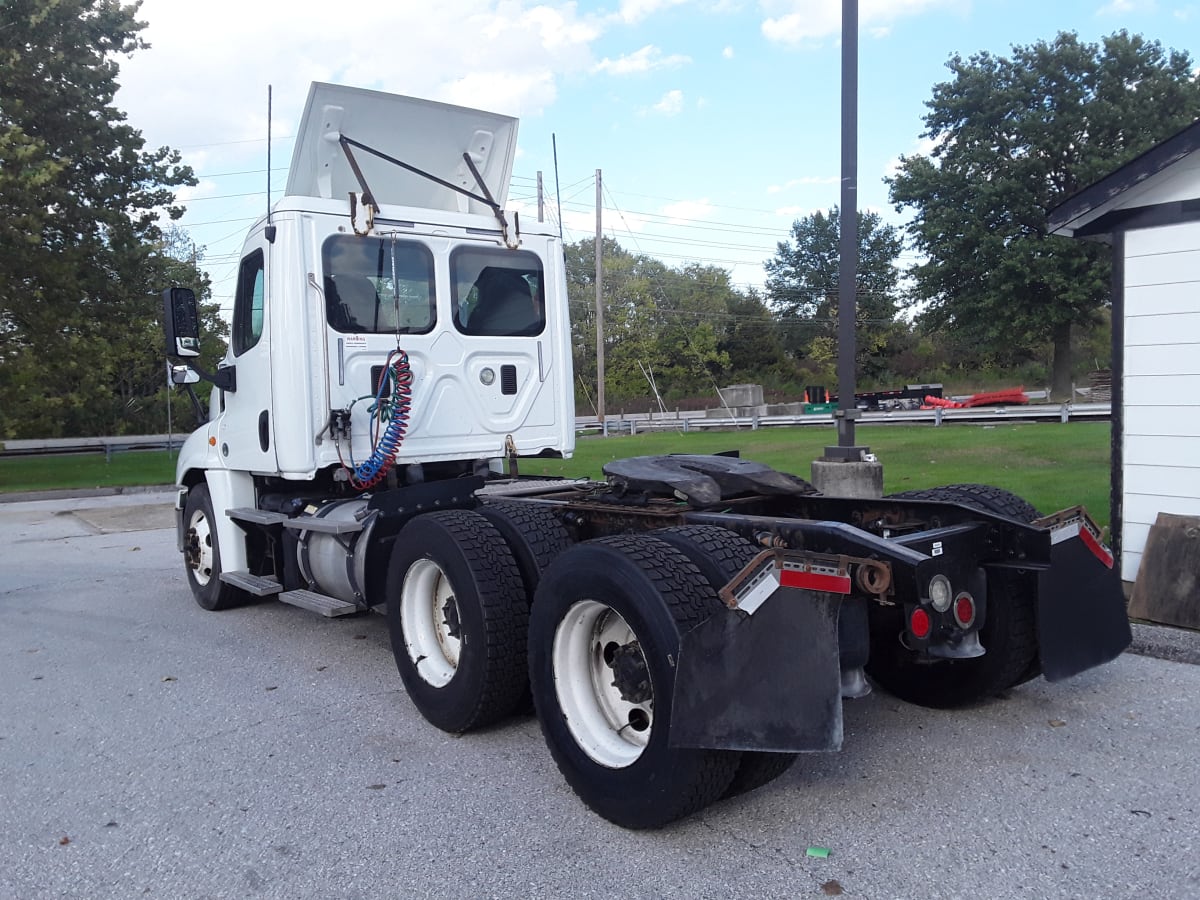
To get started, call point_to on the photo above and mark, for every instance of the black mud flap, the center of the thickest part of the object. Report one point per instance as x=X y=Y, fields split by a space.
x=1082 y=621
x=767 y=681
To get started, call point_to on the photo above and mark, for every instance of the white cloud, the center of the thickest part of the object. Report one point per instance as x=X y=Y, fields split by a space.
x=203 y=83
x=1125 y=7
x=801 y=182
x=633 y=11
x=921 y=147
x=794 y=212
x=671 y=104
x=204 y=188
x=727 y=53
x=803 y=22
x=646 y=59
x=683 y=210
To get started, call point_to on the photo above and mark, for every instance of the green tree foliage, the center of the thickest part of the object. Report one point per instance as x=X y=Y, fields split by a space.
x=688 y=327
x=81 y=254
x=1012 y=138
x=802 y=288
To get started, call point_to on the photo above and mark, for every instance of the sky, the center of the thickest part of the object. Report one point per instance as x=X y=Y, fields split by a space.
x=715 y=123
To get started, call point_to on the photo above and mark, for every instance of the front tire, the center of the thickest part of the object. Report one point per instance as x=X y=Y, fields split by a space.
x=202 y=554
x=457 y=616
x=604 y=639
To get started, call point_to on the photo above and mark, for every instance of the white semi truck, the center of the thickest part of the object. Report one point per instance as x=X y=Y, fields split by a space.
x=684 y=627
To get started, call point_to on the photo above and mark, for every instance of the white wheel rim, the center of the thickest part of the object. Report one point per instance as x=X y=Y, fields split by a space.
x=608 y=728
x=427 y=603
x=200 y=548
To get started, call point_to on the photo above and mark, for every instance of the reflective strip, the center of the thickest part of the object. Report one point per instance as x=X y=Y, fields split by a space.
x=1078 y=529
x=815 y=581
x=1099 y=550
x=1065 y=533
x=756 y=593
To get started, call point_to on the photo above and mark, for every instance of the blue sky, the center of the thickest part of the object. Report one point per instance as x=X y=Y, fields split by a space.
x=715 y=122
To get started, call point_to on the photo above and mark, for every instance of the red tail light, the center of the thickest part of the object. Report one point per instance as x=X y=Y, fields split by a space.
x=920 y=624
x=964 y=610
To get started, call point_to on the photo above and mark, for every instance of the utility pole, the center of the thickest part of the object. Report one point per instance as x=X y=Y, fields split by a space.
x=541 y=199
x=848 y=470
x=848 y=239
x=599 y=307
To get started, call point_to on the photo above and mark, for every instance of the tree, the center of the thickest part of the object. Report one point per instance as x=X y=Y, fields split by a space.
x=673 y=322
x=802 y=287
x=81 y=251
x=1012 y=138
x=754 y=343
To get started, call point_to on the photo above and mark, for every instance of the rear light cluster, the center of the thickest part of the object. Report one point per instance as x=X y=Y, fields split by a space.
x=941 y=600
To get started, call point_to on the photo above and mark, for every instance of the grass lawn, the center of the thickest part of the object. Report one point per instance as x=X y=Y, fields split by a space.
x=1051 y=465
x=87 y=470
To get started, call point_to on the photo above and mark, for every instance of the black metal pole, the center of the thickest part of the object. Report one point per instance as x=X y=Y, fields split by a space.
x=848 y=246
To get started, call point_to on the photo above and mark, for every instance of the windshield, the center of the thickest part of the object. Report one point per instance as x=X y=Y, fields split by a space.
x=378 y=285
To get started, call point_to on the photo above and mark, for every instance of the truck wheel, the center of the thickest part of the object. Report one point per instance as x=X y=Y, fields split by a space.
x=457 y=615
x=533 y=532
x=604 y=637
x=720 y=554
x=980 y=496
x=1009 y=634
x=1004 y=503
x=202 y=554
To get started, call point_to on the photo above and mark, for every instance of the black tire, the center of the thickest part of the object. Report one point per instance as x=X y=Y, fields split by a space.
x=720 y=554
x=980 y=496
x=1008 y=635
x=651 y=595
x=202 y=554
x=534 y=533
x=458 y=616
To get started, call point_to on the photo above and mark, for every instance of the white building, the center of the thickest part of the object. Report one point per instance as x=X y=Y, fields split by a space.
x=1149 y=210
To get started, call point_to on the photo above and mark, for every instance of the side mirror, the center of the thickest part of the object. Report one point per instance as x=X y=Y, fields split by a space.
x=184 y=375
x=181 y=322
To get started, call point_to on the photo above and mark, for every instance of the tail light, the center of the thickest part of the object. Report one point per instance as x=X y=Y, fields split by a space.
x=920 y=624
x=964 y=610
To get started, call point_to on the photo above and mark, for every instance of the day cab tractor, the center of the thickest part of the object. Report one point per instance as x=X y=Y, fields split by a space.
x=686 y=626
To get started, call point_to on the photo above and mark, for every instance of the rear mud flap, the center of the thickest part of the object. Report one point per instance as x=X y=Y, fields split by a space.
x=767 y=681
x=1082 y=621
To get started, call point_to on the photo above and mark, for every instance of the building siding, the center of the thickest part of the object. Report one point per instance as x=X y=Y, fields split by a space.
x=1161 y=444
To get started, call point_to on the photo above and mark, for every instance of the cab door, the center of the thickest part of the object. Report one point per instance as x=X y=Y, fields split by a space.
x=246 y=435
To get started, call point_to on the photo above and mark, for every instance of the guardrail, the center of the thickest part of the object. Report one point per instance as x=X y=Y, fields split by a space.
x=685 y=422
x=107 y=445
x=632 y=423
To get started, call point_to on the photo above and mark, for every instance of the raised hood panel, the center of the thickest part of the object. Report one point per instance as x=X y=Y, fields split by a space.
x=430 y=136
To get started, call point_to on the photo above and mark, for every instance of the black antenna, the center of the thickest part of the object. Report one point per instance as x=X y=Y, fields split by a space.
x=270 y=227
x=557 y=192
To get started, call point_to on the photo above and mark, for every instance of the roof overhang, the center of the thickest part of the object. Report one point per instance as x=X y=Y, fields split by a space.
x=1120 y=189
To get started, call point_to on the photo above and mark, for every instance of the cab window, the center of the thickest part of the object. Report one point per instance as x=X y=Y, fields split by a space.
x=378 y=285
x=248 y=304
x=499 y=293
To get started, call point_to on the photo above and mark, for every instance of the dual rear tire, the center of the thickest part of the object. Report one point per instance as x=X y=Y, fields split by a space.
x=599 y=645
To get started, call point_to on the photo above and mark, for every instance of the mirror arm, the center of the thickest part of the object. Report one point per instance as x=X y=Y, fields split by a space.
x=225 y=377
